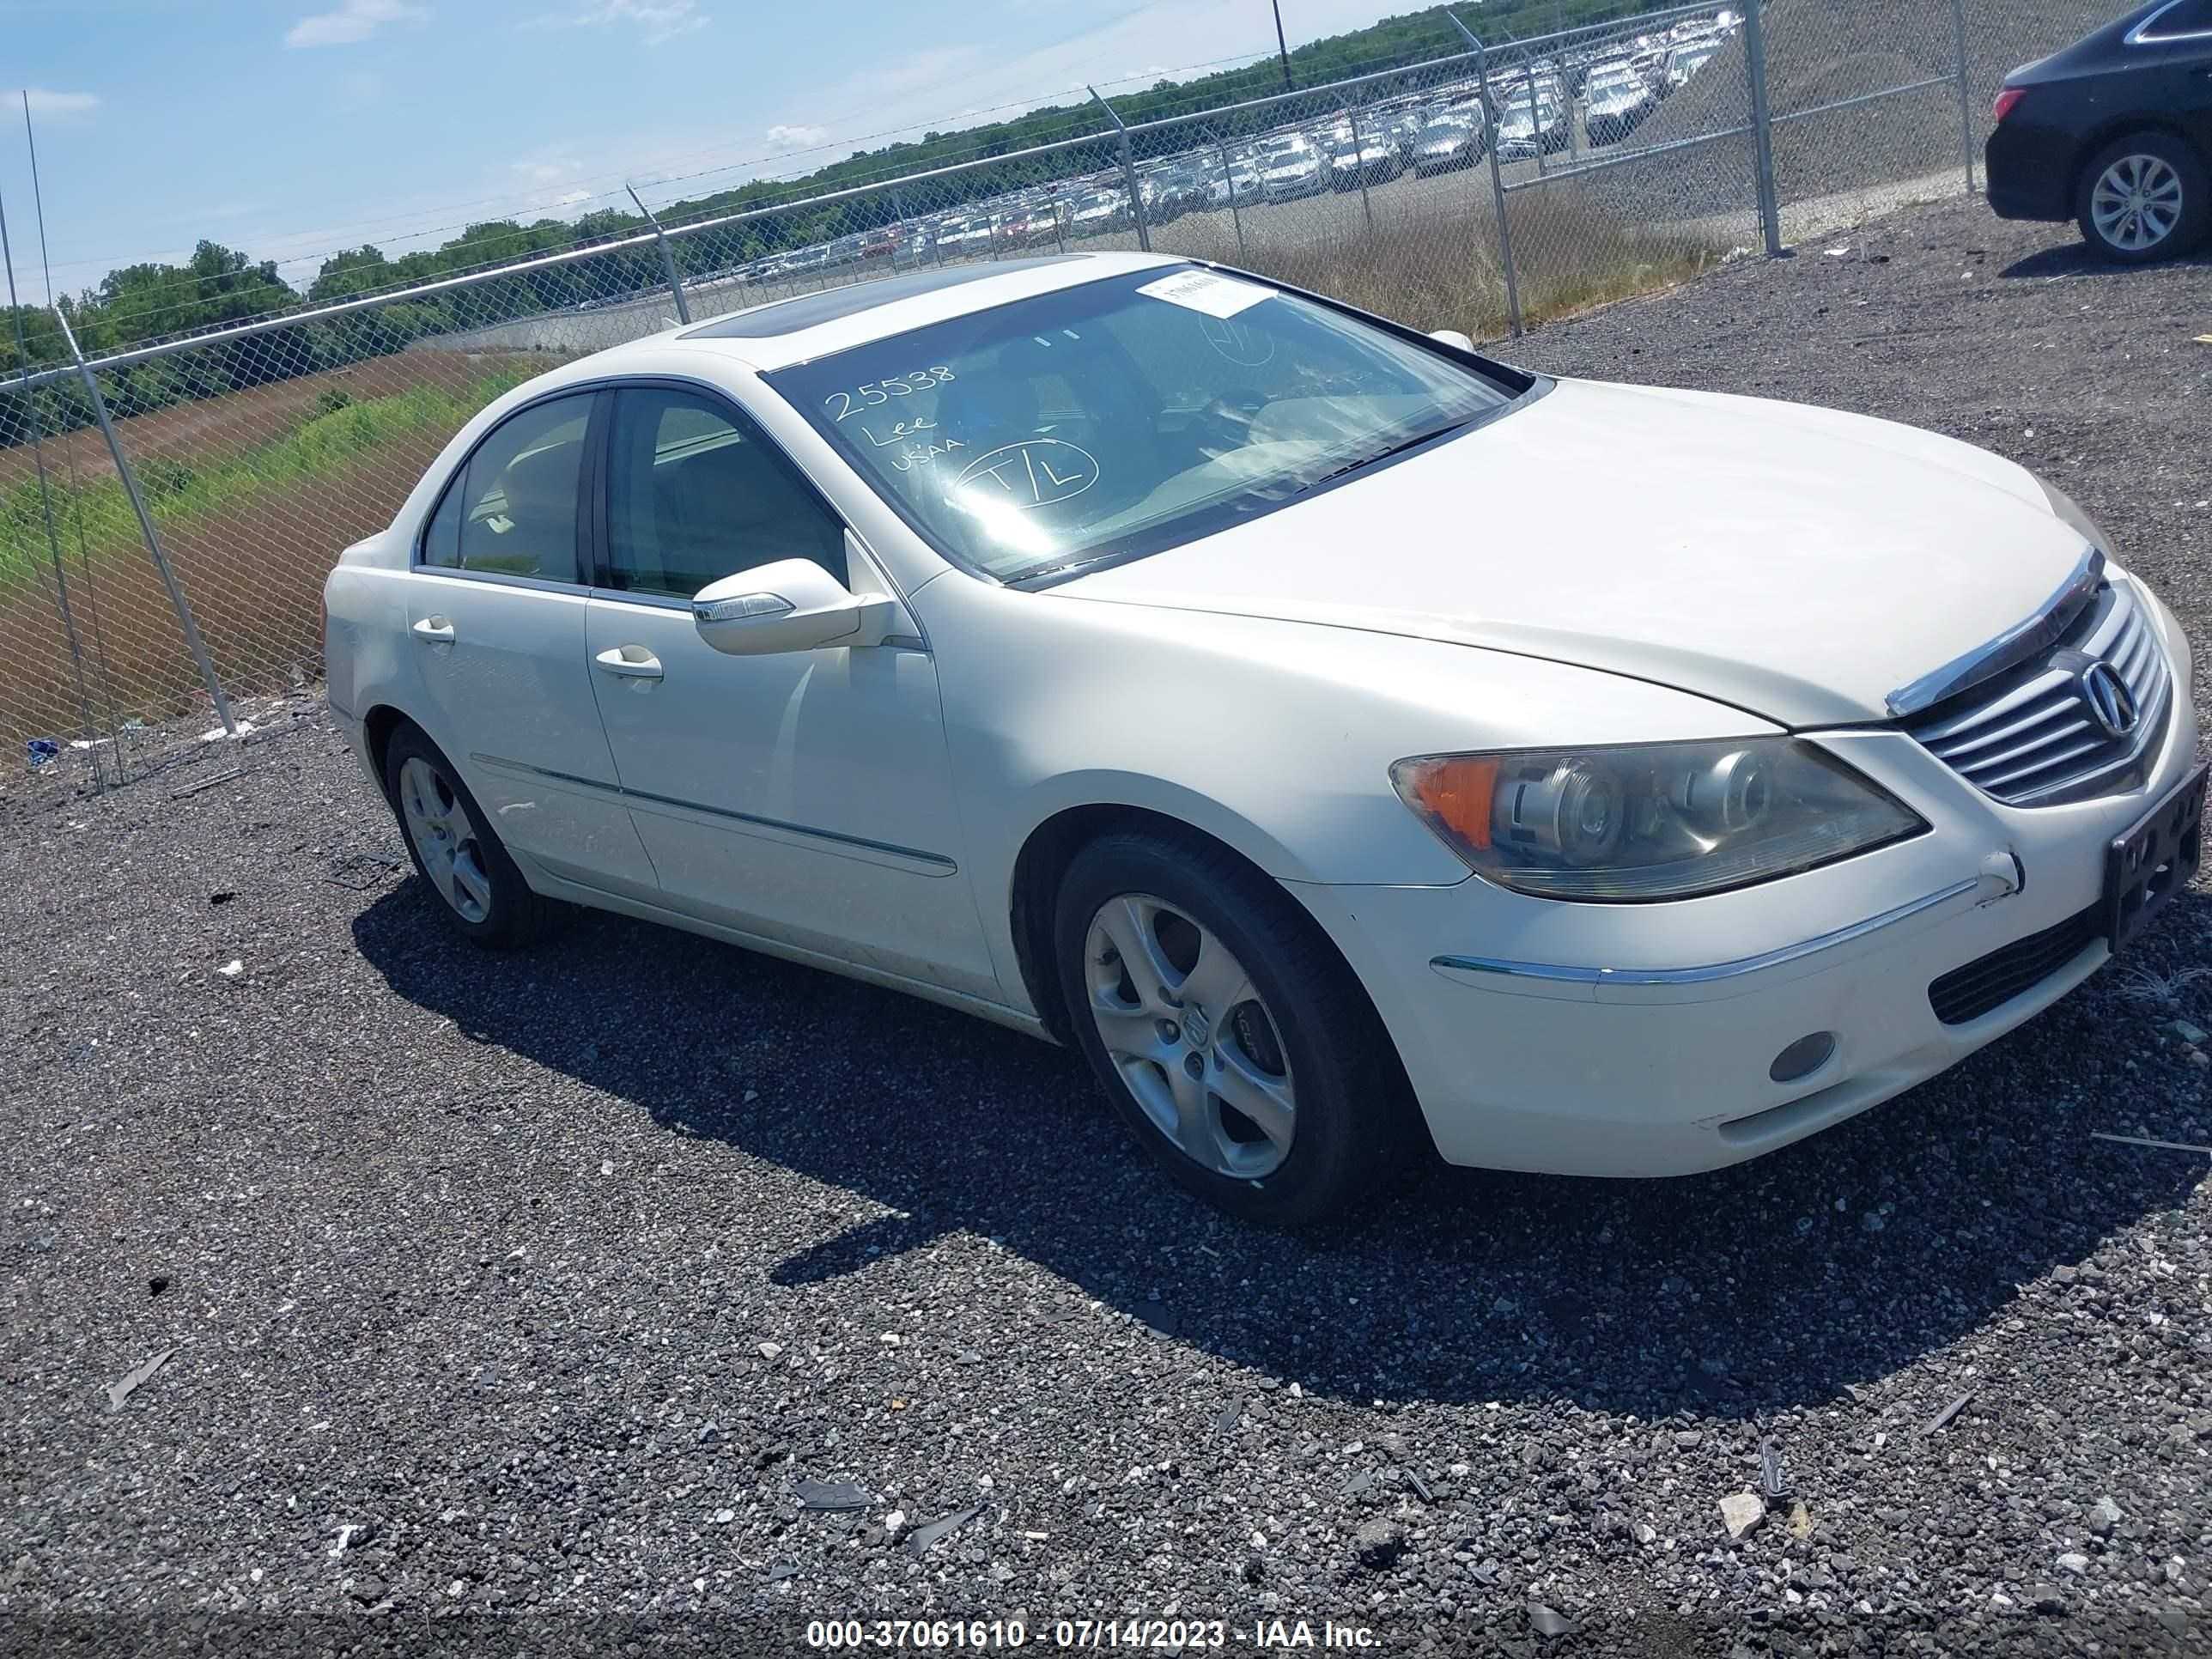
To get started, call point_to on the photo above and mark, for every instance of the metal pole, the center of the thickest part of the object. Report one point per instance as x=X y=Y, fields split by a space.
x=1762 y=126
x=193 y=640
x=1536 y=112
x=667 y=256
x=1236 y=217
x=1059 y=230
x=1497 y=178
x=45 y=492
x=1128 y=171
x=1574 y=126
x=1282 y=48
x=1359 y=172
x=1966 y=109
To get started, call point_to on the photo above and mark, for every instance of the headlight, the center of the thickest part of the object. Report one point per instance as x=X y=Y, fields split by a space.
x=2070 y=513
x=1654 y=821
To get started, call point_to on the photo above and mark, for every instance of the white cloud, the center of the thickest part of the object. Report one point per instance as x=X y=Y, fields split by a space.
x=353 y=21
x=60 y=105
x=570 y=197
x=545 y=170
x=799 y=137
x=657 y=20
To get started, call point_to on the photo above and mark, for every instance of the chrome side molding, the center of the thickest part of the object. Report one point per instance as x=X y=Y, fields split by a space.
x=1455 y=967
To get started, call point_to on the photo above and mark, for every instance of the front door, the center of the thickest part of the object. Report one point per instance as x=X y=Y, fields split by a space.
x=807 y=796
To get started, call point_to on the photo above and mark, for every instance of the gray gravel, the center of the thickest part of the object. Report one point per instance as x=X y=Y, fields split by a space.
x=583 y=1287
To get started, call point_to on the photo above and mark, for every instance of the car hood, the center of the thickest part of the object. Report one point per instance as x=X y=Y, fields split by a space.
x=1797 y=562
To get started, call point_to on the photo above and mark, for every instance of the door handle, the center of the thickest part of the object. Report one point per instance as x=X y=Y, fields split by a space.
x=434 y=630
x=632 y=662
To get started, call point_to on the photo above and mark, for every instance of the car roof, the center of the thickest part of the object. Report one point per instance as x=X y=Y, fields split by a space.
x=798 y=330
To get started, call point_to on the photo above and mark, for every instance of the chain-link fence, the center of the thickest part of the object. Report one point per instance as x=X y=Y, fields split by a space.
x=1486 y=188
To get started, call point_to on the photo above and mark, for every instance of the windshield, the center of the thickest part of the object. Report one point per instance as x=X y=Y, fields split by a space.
x=1121 y=417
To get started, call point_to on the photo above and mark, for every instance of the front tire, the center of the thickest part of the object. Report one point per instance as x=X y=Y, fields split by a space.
x=1233 y=1040
x=481 y=893
x=2142 y=197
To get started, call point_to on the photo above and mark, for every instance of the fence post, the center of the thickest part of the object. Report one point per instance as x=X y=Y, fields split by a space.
x=1535 y=110
x=1229 y=179
x=1128 y=172
x=193 y=640
x=667 y=256
x=45 y=494
x=1762 y=126
x=1966 y=106
x=1359 y=172
x=1497 y=177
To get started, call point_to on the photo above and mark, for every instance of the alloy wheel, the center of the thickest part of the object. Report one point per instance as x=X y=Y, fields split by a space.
x=1190 y=1035
x=2136 y=203
x=445 y=839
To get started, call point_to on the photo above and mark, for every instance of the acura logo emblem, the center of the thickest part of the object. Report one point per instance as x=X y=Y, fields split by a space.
x=2112 y=705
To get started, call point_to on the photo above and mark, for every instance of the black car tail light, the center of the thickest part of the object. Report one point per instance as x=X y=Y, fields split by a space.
x=2007 y=101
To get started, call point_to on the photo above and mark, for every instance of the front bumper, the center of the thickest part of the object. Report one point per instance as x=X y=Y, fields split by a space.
x=1663 y=1068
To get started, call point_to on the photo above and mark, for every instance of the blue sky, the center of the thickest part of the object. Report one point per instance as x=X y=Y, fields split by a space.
x=290 y=128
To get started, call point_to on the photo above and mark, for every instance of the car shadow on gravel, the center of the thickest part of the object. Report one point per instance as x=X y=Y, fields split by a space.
x=2075 y=259
x=1771 y=1286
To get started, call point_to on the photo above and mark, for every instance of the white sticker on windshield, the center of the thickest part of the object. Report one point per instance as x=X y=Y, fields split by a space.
x=1206 y=291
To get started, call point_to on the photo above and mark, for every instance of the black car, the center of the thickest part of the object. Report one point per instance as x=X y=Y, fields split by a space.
x=2116 y=133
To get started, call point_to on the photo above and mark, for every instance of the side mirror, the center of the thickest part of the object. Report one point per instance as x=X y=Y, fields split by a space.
x=794 y=605
x=1453 y=338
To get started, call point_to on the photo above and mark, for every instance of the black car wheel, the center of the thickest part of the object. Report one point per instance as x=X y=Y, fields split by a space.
x=481 y=892
x=1233 y=1040
x=2144 y=196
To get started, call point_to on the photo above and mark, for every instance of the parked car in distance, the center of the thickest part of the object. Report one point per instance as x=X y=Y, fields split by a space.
x=1102 y=645
x=1290 y=166
x=1683 y=62
x=1238 y=181
x=1619 y=101
x=1371 y=159
x=1527 y=130
x=2115 y=133
x=1101 y=210
x=1443 y=145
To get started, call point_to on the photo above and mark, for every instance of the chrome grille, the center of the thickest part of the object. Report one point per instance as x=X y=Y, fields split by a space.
x=2029 y=737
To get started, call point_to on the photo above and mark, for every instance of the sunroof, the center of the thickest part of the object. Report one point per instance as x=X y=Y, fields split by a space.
x=806 y=310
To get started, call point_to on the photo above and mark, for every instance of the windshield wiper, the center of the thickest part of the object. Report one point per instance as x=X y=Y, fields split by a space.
x=1364 y=461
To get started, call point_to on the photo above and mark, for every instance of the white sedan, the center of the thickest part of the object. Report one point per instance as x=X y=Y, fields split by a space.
x=1343 y=739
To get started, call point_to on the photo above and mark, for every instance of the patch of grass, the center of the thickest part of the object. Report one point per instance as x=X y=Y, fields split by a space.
x=1443 y=271
x=344 y=433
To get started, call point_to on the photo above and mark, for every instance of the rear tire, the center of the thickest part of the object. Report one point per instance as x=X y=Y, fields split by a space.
x=480 y=892
x=2142 y=197
x=1289 y=1034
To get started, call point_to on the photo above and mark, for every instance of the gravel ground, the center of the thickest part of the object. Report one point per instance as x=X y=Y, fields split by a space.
x=546 y=1287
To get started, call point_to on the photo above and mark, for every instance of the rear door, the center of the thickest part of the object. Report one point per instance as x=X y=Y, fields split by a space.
x=805 y=796
x=495 y=606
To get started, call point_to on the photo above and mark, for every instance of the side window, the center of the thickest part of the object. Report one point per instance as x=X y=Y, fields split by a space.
x=441 y=541
x=2190 y=17
x=694 y=493
x=512 y=508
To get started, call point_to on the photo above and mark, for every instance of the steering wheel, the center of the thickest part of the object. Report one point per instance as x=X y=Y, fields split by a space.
x=1225 y=423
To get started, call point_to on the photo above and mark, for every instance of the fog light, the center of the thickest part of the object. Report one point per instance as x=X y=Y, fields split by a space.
x=1803 y=1057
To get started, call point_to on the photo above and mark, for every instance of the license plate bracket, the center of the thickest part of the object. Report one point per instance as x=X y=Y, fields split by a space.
x=2154 y=861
